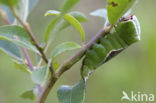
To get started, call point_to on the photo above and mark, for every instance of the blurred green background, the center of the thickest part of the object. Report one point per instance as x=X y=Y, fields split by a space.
x=132 y=70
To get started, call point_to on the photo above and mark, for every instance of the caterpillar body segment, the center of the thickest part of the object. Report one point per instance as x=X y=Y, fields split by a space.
x=126 y=33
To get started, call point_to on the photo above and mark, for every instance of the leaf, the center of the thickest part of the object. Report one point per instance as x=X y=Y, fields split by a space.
x=76 y=24
x=28 y=95
x=68 y=4
x=55 y=65
x=17 y=35
x=117 y=8
x=58 y=24
x=9 y=2
x=52 y=12
x=64 y=47
x=32 y=4
x=39 y=75
x=50 y=28
x=22 y=67
x=10 y=49
x=77 y=15
x=23 y=9
x=8 y=13
x=75 y=94
x=101 y=13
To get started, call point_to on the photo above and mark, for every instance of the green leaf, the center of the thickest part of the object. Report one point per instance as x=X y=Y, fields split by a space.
x=50 y=28
x=22 y=67
x=52 y=12
x=68 y=4
x=55 y=65
x=17 y=35
x=9 y=2
x=39 y=75
x=117 y=8
x=76 y=24
x=75 y=94
x=58 y=24
x=64 y=47
x=28 y=95
x=10 y=49
x=23 y=8
x=77 y=15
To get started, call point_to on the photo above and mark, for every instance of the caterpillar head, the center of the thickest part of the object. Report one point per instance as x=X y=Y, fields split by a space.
x=129 y=29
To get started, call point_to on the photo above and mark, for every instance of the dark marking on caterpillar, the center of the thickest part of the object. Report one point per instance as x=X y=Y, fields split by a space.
x=112 y=54
x=127 y=18
x=111 y=45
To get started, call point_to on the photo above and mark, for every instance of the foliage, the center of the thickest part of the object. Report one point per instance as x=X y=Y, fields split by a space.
x=15 y=39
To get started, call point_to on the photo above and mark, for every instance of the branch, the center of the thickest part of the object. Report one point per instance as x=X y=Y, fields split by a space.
x=28 y=59
x=31 y=35
x=69 y=63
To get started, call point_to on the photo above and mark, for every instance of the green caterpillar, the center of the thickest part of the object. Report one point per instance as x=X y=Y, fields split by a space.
x=127 y=32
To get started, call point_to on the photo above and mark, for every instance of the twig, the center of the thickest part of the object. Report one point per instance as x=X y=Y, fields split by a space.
x=31 y=35
x=66 y=65
x=69 y=63
x=28 y=59
x=3 y=14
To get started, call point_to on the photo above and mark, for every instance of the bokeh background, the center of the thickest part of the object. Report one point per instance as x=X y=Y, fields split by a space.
x=132 y=70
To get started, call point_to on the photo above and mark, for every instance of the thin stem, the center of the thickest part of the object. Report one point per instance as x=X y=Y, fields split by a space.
x=28 y=59
x=69 y=63
x=31 y=35
x=4 y=17
x=31 y=67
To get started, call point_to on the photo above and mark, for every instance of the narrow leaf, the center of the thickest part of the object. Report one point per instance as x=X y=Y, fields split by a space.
x=39 y=75
x=32 y=4
x=10 y=49
x=17 y=35
x=64 y=47
x=50 y=28
x=76 y=24
x=28 y=95
x=100 y=13
x=58 y=24
x=117 y=8
x=52 y=12
x=77 y=15
x=23 y=9
x=68 y=4
x=74 y=94
x=22 y=67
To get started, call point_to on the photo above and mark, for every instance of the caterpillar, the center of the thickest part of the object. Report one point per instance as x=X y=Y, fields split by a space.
x=127 y=32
